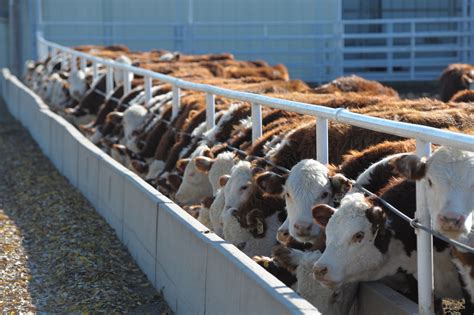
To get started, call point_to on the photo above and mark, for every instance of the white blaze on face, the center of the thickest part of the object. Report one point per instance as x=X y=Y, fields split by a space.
x=133 y=117
x=449 y=186
x=350 y=253
x=222 y=165
x=77 y=84
x=195 y=184
x=237 y=187
x=307 y=185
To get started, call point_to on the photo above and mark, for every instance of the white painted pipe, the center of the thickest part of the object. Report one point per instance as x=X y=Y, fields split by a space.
x=176 y=101
x=73 y=63
x=83 y=63
x=210 y=111
x=256 y=121
x=95 y=72
x=127 y=84
x=424 y=242
x=322 y=152
x=109 y=81
x=148 y=95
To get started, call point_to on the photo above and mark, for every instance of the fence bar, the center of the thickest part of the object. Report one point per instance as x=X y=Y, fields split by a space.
x=95 y=73
x=127 y=84
x=424 y=243
x=256 y=121
x=210 y=110
x=147 y=90
x=176 y=101
x=110 y=80
x=83 y=63
x=322 y=154
x=73 y=63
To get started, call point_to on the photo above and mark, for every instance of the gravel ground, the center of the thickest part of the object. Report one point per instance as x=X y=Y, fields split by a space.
x=56 y=253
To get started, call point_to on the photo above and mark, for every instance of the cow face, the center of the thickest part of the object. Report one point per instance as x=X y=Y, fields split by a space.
x=307 y=185
x=238 y=187
x=351 y=254
x=195 y=184
x=448 y=180
x=77 y=85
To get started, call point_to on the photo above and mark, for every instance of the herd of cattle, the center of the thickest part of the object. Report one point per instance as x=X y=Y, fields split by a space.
x=307 y=223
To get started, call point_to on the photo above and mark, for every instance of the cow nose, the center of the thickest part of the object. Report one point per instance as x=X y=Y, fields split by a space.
x=451 y=221
x=320 y=271
x=302 y=228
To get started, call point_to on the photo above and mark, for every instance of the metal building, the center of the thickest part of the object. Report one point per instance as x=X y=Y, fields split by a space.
x=386 y=40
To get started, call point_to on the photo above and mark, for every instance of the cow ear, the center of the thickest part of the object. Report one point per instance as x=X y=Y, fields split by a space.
x=174 y=180
x=256 y=171
x=410 y=166
x=340 y=186
x=181 y=164
x=223 y=180
x=322 y=213
x=256 y=222
x=467 y=80
x=207 y=153
x=203 y=163
x=192 y=113
x=207 y=201
x=270 y=183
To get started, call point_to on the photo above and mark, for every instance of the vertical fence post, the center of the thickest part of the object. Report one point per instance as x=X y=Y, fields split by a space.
x=424 y=242
x=176 y=101
x=256 y=121
x=109 y=80
x=83 y=63
x=64 y=60
x=322 y=140
x=210 y=111
x=95 y=72
x=127 y=85
x=147 y=90
x=73 y=63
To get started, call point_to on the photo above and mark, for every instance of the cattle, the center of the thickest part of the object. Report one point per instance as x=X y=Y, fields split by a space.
x=455 y=77
x=447 y=178
x=464 y=96
x=366 y=242
x=355 y=83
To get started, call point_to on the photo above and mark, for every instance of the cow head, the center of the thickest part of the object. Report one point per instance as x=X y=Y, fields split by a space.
x=195 y=184
x=216 y=167
x=238 y=186
x=356 y=239
x=448 y=180
x=308 y=184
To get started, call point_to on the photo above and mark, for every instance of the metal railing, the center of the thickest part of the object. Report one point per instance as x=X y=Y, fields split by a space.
x=379 y=49
x=424 y=135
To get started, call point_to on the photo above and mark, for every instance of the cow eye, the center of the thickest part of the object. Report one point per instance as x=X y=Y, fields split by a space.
x=244 y=187
x=287 y=195
x=430 y=182
x=357 y=238
x=324 y=194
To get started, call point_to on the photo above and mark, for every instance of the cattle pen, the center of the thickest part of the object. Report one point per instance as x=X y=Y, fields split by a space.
x=196 y=290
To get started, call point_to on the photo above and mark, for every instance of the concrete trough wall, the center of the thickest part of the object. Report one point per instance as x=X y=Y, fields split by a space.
x=198 y=272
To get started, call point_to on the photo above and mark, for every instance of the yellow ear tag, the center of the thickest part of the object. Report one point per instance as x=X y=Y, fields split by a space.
x=266 y=263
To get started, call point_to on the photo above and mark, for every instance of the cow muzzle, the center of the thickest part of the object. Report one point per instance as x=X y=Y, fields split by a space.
x=452 y=223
